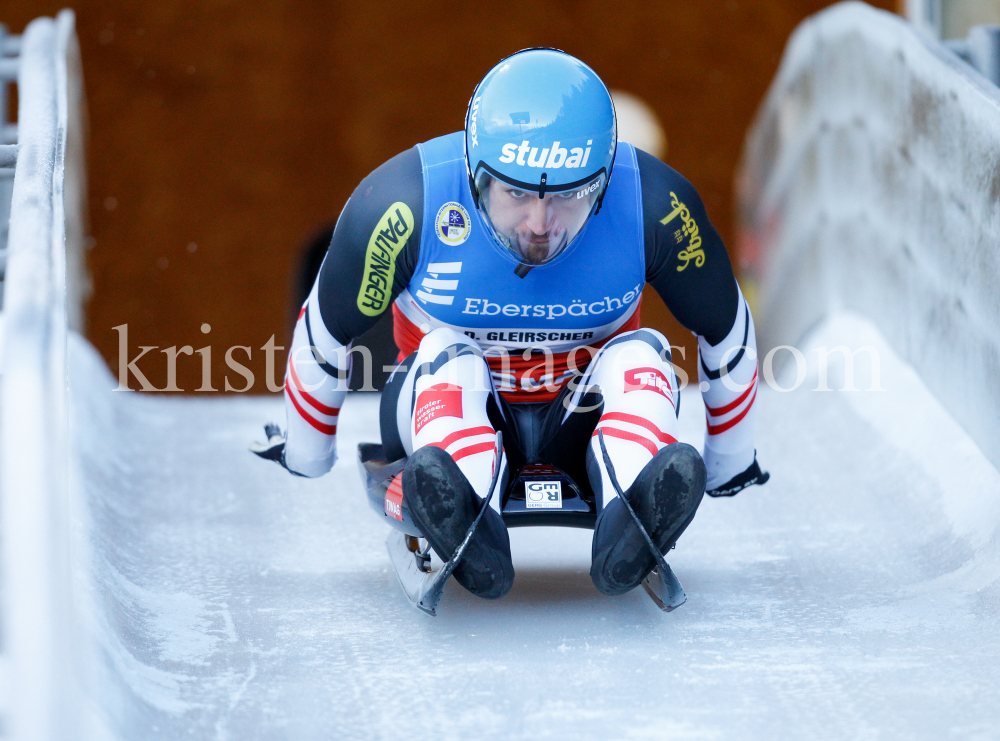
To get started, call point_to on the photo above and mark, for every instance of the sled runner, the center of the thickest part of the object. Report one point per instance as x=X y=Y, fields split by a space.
x=411 y=554
x=660 y=584
x=539 y=495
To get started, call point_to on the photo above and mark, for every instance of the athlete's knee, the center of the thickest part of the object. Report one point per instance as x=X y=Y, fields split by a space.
x=637 y=361
x=449 y=356
x=438 y=340
x=650 y=336
x=642 y=348
x=643 y=341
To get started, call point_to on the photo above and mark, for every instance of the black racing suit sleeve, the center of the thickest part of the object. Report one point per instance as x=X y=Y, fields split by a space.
x=343 y=275
x=698 y=288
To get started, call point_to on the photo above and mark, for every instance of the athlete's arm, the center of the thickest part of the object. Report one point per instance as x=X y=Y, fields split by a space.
x=690 y=272
x=351 y=284
x=370 y=260
x=687 y=264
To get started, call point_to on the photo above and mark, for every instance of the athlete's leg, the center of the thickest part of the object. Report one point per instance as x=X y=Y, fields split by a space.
x=633 y=380
x=443 y=396
x=664 y=480
x=729 y=372
x=443 y=408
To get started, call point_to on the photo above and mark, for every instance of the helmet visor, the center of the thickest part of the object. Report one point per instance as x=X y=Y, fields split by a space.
x=536 y=229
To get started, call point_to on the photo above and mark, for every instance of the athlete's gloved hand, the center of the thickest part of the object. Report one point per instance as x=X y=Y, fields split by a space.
x=739 y=482
x=274 y=448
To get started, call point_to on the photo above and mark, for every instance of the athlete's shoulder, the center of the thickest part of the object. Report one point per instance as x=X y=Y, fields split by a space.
x=393 y=189
x=673 y=213
x=398 y=178
x=443 y=149
x=686 y=260
x=662 y=184
x=375 y=247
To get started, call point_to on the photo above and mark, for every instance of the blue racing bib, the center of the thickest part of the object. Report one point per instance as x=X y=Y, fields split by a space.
x=465 y=281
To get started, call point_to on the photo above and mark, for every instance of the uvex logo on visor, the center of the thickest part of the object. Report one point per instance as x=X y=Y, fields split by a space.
x=550 y=158
x=472 y=129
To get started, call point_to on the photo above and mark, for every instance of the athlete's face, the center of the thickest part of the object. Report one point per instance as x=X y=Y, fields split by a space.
x=537 y=228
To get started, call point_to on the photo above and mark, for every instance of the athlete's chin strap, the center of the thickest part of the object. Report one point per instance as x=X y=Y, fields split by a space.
x=522 y=269
x=473 y=188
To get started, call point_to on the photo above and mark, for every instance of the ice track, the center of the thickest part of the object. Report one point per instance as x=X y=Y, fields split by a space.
x=857 y=595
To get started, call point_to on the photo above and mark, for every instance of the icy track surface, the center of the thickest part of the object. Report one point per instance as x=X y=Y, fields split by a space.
x=857 y=595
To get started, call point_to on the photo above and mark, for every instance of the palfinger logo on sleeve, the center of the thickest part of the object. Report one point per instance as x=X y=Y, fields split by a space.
x=386 y=242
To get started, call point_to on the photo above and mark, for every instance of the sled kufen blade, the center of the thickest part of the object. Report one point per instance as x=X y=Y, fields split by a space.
x=661 y=584
x=663 y=587
x=421 y=585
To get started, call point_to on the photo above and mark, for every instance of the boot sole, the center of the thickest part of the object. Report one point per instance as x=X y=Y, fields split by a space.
x=622 y=566
x=445 y=516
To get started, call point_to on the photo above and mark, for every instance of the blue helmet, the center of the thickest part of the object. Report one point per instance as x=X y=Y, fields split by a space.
x=540 y=141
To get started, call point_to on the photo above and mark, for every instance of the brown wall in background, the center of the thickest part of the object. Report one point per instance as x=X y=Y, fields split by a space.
x=223 y=133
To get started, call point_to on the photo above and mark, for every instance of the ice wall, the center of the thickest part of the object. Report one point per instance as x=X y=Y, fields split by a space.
x=36 y=617
x=870 y=182
x=43 y=657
